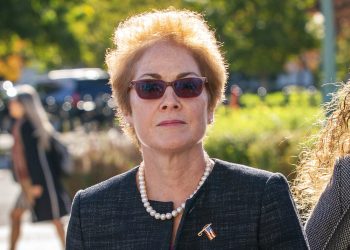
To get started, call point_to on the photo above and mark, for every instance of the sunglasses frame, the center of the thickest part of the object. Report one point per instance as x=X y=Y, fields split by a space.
x=167 y=84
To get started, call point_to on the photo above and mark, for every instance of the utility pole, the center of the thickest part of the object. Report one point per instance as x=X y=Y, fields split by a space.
x=328 y=50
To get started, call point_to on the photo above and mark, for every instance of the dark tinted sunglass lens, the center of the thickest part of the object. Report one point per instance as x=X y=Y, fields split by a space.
x=149 y=89
x=188 y=87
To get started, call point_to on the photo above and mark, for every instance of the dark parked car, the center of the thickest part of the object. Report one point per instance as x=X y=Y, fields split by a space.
x=73 y=95
x=6 y=140
x=5 y=119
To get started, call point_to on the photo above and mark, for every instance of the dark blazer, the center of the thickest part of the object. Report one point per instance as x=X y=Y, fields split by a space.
x=329 y=224
x=248 y=209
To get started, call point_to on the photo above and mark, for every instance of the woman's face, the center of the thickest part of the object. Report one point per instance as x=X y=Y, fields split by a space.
x=169 y=123
x=16 y=109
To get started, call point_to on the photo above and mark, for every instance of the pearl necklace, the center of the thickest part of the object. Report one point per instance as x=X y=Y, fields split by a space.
x=176 y=211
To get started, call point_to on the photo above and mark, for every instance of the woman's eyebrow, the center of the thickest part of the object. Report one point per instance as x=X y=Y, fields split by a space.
x=184 y=74
x=158 y=76
x=153 y=75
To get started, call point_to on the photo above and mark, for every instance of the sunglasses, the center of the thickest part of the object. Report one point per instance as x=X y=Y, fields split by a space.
x=154 y=88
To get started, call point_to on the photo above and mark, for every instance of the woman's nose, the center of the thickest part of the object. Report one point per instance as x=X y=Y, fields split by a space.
x=170 y=100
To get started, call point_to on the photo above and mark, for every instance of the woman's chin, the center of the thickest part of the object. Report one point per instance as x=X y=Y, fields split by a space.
x=173 y=145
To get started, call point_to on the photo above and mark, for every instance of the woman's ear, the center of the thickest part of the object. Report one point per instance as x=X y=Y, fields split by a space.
x=210 y=116
x=129 y=119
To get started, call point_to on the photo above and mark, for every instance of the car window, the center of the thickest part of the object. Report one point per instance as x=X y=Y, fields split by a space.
x=48 y=88
x=94 y=87
x=58 y=89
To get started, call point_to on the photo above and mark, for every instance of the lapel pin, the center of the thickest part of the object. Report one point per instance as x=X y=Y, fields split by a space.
x=208 y=231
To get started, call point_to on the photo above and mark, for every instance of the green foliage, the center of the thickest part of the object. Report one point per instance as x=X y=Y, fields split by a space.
x=264 y=134
x=43 y=27
x=290 y=97
x=343 y=59
x=258 y=35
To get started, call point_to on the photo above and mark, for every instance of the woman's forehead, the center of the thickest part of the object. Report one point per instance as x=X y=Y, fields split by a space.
x=166 y=58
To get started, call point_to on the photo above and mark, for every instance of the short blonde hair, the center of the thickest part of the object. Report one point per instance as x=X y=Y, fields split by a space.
x=182 y=27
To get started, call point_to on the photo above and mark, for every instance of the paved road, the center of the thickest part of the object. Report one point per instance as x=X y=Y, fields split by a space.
x=39 y=236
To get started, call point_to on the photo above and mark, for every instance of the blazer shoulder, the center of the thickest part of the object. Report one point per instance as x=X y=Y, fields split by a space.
x=339 y=184
x=245 y=173
x=332 y=207
x=112 y=187
x=340 y=180
x=248 y=182
x=342 y=169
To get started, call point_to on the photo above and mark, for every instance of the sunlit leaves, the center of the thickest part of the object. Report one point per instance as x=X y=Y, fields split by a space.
x=258 y=35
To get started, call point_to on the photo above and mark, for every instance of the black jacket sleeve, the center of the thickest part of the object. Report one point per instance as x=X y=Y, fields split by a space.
x=74 y=239
x=280 y=227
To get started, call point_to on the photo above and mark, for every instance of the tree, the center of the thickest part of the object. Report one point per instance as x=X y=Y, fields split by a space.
x=259 y=35
x=40 y=28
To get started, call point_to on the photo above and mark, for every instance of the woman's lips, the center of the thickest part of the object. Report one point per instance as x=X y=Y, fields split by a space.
x=171 y=123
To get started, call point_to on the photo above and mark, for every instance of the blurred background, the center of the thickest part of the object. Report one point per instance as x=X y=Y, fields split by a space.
x=279 y=55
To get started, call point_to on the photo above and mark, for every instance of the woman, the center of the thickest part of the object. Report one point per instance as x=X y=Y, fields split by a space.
x=35 y=165
x=168 y=75
x=322 y=185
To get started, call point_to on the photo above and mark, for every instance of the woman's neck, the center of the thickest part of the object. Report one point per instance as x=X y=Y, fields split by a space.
x=173 y=177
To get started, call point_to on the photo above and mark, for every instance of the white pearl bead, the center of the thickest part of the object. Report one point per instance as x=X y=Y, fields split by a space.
x=168 y=216
x=183 y=205
x=179 y=209
x=162 y=217
x=149 y=209
x=174 y=213
x=152 y=213
x=146 y=204
x=157 y=216
x=144 y=200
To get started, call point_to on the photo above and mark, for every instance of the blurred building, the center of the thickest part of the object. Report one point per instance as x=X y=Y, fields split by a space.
x=342 y=23
x=342 y=13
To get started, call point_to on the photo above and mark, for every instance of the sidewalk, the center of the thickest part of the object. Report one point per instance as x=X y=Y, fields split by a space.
x=39 y=236
x=33 y=237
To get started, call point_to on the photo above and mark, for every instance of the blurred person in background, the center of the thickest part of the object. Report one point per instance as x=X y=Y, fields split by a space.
x=168 y=76
x=322 y=185
x=35 y=164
